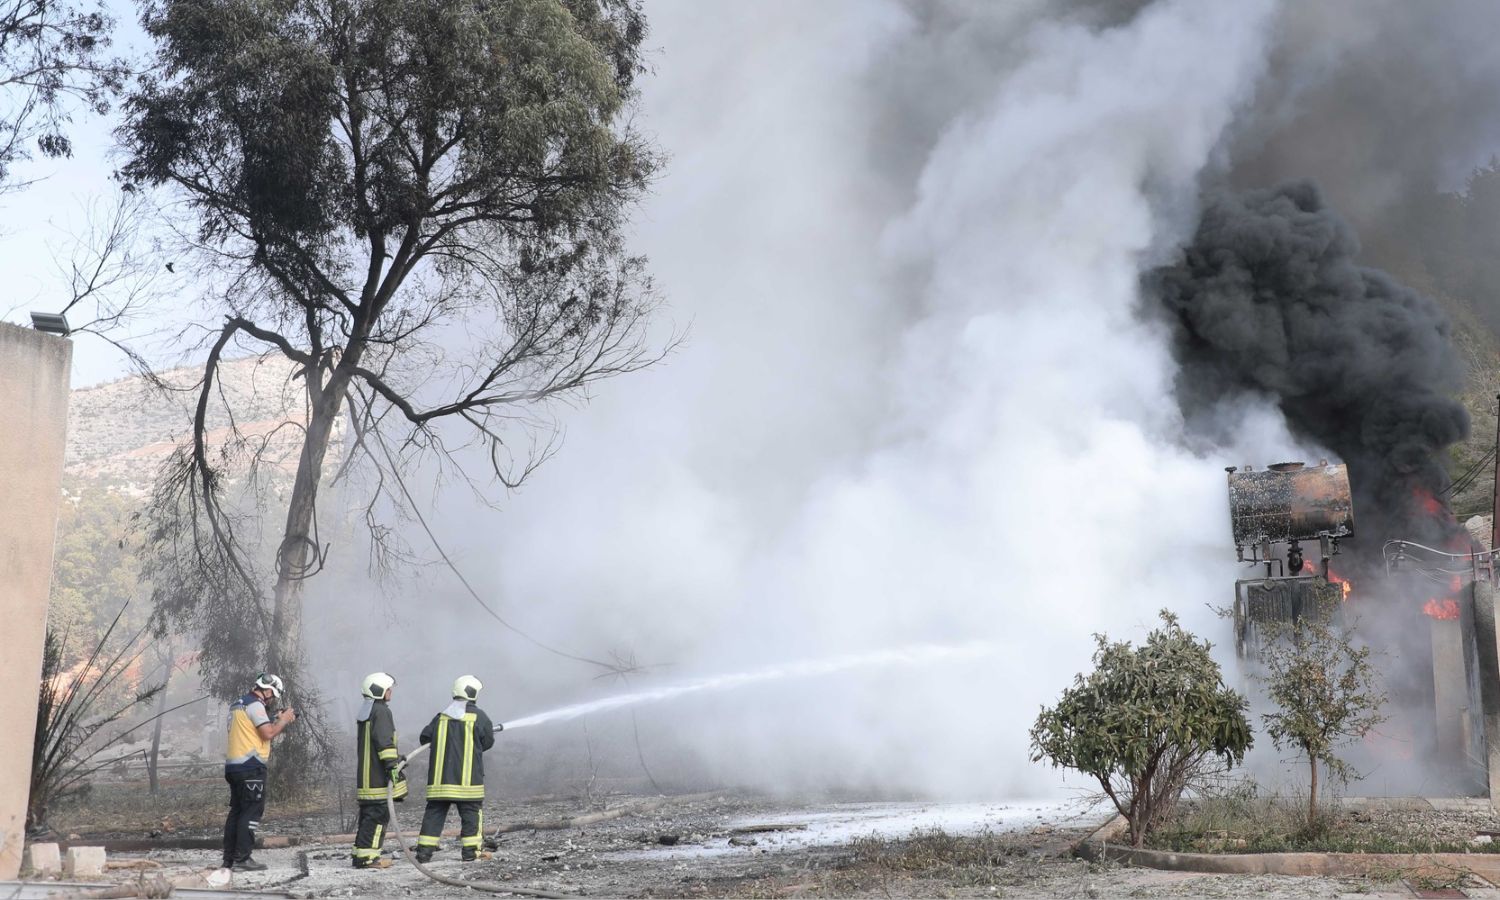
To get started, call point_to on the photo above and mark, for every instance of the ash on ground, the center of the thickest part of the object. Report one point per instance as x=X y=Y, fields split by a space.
x=743 y=845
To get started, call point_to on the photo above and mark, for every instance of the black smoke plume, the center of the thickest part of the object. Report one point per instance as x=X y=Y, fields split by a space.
x=1268 y=298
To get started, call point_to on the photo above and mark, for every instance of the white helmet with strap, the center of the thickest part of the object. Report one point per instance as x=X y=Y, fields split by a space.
x=265 y=681
x=377 y=685
x=467 y=687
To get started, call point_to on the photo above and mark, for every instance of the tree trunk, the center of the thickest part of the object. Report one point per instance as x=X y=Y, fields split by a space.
x=161 y=713
x=296 y=548
x=1137 y=820
x=1312 y=792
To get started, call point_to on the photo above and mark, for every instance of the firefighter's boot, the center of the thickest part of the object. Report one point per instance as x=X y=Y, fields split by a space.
x=379 y=862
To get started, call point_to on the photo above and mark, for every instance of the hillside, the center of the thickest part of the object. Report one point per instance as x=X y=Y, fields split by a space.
x=121 y=431
x=1441 y=244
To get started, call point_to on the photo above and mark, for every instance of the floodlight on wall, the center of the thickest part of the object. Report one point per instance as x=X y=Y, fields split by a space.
x=52 y=323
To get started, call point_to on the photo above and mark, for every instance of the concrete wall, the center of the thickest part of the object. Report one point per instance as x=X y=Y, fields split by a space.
x=1487 y=644
x=34 y=371
x=1450 y=687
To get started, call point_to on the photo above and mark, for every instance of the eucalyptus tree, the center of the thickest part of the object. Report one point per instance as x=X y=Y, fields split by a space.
x=53 y=60
x=420 y=206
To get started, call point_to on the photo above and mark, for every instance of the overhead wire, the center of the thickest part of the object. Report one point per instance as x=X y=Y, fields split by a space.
x=1470 y=475
x=474 y=594
x=610 y=668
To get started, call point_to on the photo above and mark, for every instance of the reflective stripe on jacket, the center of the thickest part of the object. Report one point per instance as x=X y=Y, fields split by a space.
x=376 y=746
x=455 y=770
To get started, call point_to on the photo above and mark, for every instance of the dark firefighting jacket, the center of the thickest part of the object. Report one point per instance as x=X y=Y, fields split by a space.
x=377 y=755
x=458 y=735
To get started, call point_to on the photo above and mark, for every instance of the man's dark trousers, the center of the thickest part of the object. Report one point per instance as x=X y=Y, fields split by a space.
x=247 y=803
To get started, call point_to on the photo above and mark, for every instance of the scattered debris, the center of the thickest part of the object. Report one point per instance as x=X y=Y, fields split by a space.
x=155 y=887
x=768 y=827
x=594 y=818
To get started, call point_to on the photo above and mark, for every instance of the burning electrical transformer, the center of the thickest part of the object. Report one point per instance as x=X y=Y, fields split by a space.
x=1272 y=512
x=1283 y=513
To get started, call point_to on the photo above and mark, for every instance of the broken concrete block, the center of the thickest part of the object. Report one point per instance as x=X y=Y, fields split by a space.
x=84 y=862
x=43 y=859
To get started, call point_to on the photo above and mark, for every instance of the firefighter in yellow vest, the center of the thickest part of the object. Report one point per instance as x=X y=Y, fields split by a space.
x=375 y=768
x=458 y=736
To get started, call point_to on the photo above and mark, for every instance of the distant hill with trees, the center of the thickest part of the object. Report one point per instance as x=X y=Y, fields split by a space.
x=1446 y=244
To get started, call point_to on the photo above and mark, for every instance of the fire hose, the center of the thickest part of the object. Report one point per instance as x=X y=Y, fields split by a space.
x=493 y=887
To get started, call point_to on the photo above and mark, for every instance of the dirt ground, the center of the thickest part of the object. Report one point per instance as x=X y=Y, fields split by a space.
x=743 y=845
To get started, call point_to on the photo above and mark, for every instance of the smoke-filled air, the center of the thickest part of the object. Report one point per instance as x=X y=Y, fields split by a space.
x=922 y=399
x=974 y=320
x=742 y=418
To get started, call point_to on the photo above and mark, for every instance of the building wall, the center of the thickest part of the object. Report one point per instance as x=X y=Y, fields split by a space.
x=34 y=370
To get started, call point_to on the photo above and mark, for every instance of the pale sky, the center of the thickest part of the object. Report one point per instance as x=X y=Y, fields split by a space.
x=38 y=225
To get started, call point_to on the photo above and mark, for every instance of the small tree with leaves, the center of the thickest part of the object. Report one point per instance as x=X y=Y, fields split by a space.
x=1146 y=723
x=1324 y=688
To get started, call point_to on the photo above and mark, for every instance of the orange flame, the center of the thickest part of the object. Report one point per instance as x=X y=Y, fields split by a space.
x=1441 y=609
x=1334 y=578
x=1430 y=504
x=1459 y=543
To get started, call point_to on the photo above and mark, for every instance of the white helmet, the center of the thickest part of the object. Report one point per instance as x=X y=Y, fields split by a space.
x=467 y=687
x=265 y=681
x=377 y=685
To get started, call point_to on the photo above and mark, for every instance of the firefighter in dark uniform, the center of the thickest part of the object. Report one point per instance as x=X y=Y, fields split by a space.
x=375 y=768
x=458 y=736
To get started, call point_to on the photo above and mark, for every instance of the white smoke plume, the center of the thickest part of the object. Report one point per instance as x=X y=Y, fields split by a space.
x=918 y=404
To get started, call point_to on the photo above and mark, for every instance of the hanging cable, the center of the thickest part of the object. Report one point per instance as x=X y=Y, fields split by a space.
x=422 y=520
x=312 y=561
x=1470 y=475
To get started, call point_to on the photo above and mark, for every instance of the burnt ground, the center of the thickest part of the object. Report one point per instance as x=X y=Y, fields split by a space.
x=738 y=844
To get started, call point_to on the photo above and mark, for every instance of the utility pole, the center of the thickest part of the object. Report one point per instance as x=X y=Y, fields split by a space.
x=1495 y=497
x=1487 y=643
